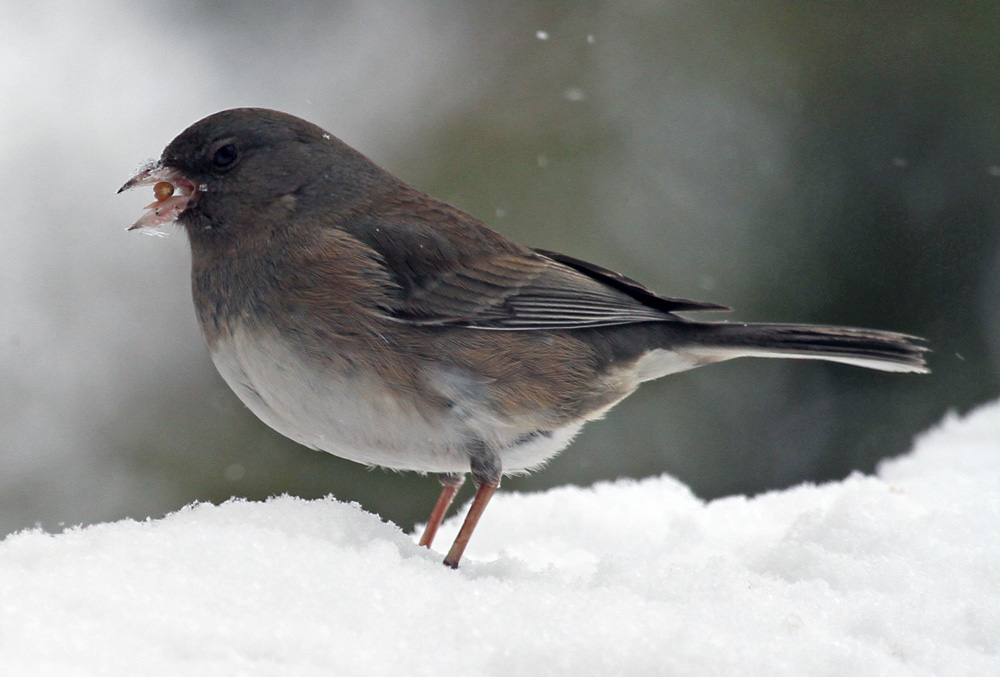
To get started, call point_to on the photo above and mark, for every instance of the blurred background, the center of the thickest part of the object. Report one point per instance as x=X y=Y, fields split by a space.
x=812 y=162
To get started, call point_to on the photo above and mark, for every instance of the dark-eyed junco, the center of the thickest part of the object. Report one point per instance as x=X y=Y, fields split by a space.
x=358 y=315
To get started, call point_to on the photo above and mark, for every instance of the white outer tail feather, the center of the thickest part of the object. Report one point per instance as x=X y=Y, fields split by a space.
x=719 y=354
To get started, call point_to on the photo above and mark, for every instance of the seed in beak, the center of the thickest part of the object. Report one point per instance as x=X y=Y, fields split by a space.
x=162 y=190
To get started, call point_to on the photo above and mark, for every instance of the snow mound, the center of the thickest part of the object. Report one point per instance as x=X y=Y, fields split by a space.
x=897 y=574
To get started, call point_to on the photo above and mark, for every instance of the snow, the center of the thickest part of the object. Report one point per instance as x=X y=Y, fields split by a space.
x=896 y=574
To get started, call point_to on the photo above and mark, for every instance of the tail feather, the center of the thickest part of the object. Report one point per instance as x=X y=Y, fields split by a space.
x=870 y=348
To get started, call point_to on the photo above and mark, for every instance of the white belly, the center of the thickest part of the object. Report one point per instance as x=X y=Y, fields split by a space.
x=360 y=419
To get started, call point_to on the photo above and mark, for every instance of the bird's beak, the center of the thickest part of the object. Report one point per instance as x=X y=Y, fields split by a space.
x=174 y=193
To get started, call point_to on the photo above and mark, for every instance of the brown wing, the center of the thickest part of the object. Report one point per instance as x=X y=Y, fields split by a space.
x=453 y=271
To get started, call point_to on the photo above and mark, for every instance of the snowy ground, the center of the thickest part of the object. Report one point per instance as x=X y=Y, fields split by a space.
x=897 y=574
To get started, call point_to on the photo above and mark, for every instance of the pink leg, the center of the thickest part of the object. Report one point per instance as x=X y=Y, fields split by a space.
x=483 y=495
x=450 y=484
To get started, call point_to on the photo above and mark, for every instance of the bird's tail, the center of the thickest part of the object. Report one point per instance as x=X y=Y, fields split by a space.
x=870 y=348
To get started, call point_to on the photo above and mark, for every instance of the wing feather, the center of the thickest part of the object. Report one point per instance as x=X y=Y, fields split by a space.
x=453 y=271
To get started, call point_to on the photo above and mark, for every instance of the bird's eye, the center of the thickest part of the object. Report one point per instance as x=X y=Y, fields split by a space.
x=224 y=156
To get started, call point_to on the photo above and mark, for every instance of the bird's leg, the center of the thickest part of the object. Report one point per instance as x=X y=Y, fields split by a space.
x=450 y=484
x=486 y=474
x=483 y=495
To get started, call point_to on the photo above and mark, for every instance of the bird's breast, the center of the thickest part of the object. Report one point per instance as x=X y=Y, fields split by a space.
x=335 y=407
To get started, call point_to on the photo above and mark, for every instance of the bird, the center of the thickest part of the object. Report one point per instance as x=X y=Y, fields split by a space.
x=358 y=315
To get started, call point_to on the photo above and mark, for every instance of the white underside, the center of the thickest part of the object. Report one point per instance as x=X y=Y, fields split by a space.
x=360 y=419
